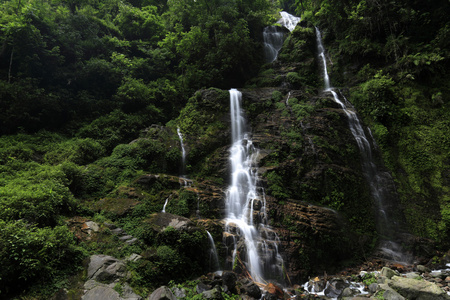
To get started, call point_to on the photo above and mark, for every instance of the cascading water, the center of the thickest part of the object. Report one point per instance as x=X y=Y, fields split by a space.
x=247 y=235
x=273 y=35
x=165 y=204
x=273 y=40
x=183 y=153
x=378 y=181
x=289 y=21
x=213 y=258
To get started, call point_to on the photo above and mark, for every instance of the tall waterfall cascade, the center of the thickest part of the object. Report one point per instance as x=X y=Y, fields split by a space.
x=250 y=243
x=379 y=182
x=274 y=35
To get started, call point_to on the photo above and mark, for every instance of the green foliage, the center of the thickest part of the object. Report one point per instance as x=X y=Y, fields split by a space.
x=35 y=193
x=29 y=253
x=369 y=278
x=276 y=186
x=377 y=99
x=302 y=110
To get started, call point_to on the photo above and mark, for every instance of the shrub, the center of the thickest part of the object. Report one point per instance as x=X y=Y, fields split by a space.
x=29 y=253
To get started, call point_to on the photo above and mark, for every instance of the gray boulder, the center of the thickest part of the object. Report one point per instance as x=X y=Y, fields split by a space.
x=106 y=268
x=417 y=289
x=388 y=273
x=162 y=293
x=101 y=293
x=214 y=294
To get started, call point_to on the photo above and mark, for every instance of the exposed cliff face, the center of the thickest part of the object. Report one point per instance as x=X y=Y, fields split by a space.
x=309 y=164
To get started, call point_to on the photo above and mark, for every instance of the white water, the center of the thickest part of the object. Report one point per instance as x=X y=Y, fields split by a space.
x=213 y=258
x=183 y=153
x=273 y=40
x=247 y=235
x=377 y=181
x=289 y=21
x=273 y=35
x=165 y=204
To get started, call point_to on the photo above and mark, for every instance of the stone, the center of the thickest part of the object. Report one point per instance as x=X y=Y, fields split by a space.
x=252 y=290
x=133 y=257
x=179 y=292
x=132 y=241
x=213 y=294
x=388 y=273
x=417 y=289
x=373 y=288
x=392 y=295
x=101 y=293
x=201 y=287
x=93 y=226
x=162 y=293
x=413 y=275
x=128 y=294
x=105 y=268
x=347 y=292
x=229 y=280
x=335 y=287
x=423 y=269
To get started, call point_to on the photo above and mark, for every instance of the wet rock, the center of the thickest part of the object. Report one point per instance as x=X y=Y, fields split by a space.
x=229 y=281
x=273 y=290
x=335 y=287
x=252 y=290
x=162 y=293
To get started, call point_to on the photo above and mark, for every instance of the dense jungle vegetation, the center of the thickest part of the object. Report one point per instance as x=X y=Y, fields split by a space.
x=80 y=80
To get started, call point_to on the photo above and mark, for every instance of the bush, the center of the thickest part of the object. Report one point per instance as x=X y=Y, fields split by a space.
x=38 y=195
x=29 y=254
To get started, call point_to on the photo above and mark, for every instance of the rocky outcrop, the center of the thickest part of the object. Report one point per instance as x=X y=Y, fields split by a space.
x=160 y=221
x=105 y=268
x=105 y=276
x=417 y=289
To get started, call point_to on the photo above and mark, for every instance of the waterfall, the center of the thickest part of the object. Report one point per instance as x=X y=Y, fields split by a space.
x=213 y=258
x=289 y=21
x=378 y=181
x=247 y=235
x=165 y=204
x=273 y=35
x=273 y=40
x=183 y=153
